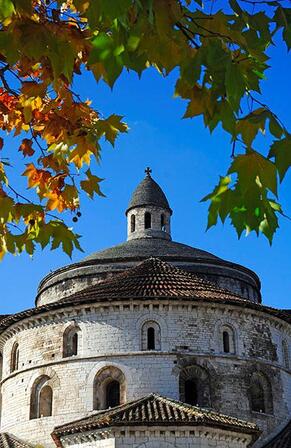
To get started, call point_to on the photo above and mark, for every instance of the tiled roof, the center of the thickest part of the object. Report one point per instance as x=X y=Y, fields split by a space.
x=155 y=410
x=152 y=279
x=142 y=248
x=282 y=440
x=148 y=192
x=9 y=441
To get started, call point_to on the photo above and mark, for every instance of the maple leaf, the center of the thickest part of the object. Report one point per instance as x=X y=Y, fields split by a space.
x=220 y=59
x=91 y=185
x=26 y=147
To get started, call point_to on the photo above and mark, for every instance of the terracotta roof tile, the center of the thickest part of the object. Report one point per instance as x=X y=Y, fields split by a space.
x=155 y=410
x=9 y=441
x=152 y=279
x=282 y=440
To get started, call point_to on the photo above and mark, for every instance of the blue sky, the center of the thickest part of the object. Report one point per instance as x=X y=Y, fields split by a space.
x=186 y=161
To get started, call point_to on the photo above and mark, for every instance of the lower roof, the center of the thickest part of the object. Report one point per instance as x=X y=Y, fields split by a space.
x=10 y=441
x=155 y=410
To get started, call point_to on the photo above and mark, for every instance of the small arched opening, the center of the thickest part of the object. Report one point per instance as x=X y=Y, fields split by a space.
x=14 y=361
x=150 y=336
x=260 y=394
x=1 y=366
x=194 y=386
x=45 y=401
x=112 y=394
x=109 y=388
x=285 y=354
x=147 y=220
x=71 y=341
x=41 y=399
x=191 y=395
x=132 y=223
x=163 y=222
x=228 y=343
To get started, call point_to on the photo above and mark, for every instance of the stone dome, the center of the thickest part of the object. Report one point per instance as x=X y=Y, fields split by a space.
x=148 y=192
x=145 y=240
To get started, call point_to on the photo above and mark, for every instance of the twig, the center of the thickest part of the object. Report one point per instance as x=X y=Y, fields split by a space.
x=185 y=31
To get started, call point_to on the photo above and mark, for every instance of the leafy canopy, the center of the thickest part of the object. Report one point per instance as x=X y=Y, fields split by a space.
x=220 y=57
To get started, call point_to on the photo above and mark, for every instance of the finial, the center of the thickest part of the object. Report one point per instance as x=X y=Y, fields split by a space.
x=148 y=171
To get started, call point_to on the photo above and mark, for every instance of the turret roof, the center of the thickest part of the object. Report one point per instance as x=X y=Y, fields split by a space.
x=148 y=192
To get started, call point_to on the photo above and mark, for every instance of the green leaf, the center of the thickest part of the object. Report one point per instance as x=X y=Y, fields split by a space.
x=251 y=124
x=281 y=151
x=253 y=167
x=217 y=197
x=6 y=9
x=91 y=185
x=275 y=127
x=62 y=235
x=234 y=84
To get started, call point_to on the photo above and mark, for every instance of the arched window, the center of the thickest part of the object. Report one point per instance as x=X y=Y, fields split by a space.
x=226 y=345
x=260 y=394
x=194 y=386
x=132 y=223
x=227 y=339
x=147 y=220
x=112 y=394
x=151 y=339
x=163 y=222
x=257 y=397
x=151 y=336
x=14 y=362
x=1 y=366
x=45 y=401
x=285 y=354
x=41 y=400
x=70 y=341
x=109 y=388
x=191 y=394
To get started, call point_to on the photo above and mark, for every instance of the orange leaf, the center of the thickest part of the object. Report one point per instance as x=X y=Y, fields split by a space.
x=26 y=147
x=37 y=178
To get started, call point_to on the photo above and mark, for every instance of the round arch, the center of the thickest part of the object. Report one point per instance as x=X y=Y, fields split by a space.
x=103 y=380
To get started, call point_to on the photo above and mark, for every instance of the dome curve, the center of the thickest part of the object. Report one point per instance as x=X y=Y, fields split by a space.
x=149 y=247
x=145 y=241
x=148 y=192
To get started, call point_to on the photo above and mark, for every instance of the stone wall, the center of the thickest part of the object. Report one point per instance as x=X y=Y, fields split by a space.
x=196 y=437
x=111 y=336
x=155 y=230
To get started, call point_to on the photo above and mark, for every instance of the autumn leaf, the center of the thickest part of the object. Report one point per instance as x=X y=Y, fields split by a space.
x=26 y=147
x=220 y=62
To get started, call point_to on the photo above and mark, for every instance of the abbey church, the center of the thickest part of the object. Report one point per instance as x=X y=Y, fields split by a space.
x=148 y=344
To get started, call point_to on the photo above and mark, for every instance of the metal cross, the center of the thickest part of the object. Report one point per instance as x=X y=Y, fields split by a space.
x=148 y=171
